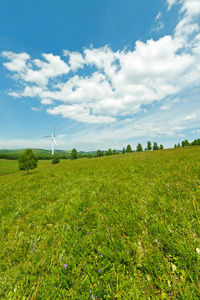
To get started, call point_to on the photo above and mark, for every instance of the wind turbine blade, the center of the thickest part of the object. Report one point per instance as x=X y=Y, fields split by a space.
x=46 y=136
x=54 y=129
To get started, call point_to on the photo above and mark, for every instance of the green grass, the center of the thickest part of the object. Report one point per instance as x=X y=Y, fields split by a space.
x=11 y=166
x=119 y=227
x=8 y=166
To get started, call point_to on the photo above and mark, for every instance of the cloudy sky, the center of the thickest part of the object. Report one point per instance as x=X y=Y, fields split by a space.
x=107 y=72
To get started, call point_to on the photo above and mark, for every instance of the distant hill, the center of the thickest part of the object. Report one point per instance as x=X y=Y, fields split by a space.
x=41 y=153
x=46 y=154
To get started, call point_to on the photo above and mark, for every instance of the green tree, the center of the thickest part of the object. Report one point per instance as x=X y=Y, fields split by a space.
x=128 y=149
x=99 y=153
x=179 y=146
x=161 y=147
x=195 y=142
x=124 y=151
x=114 y=152
x=155 y=146
x=27 y=160
x=175 y=146
x=139 y=148
x=109 y=152
x=149 y=146
x=185 y=143
x=74 y=154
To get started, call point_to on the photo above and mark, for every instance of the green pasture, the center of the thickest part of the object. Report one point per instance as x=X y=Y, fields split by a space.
x=11 y=166
x=117 y=227
x=8 y=166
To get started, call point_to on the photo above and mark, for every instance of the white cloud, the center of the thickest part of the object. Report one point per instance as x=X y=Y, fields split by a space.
x=196 y=131
x=79 y=113
x=165 y=107
x=76 y=60
x=158 y=16
x=103 y=58
x=188 y=23
x=36 y=71
x=159 y=23
x=178 y=128
x=35 y=109
x=190 y=117
x=191 y=7
x=123 y=81
x=17 y=61
x=171 y=3
x=160 y=26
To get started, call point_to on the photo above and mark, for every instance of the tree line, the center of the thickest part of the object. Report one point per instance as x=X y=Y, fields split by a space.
x=185 y=143
x=128 y=149
x=139 y=147
x=75 y=154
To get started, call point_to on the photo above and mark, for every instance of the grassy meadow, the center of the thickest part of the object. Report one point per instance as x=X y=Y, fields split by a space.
x=118 y=227
x=11 y=166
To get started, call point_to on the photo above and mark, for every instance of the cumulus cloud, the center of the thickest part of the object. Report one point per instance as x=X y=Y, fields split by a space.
x=119 y=82
x=191 y=7
x=17 y=61
x=35 y=71
x=76 y=60
x=79 y=113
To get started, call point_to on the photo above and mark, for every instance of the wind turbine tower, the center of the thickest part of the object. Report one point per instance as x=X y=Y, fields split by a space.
x=53 y=140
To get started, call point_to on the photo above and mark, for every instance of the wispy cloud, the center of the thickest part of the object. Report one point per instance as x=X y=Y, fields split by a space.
x=158 y=16
x=171 y=3
x=36 y=109
x=190 y=117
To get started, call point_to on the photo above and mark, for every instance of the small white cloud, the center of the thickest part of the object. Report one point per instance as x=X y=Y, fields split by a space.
x=35 y=109
x=159 y=26
x=190 y=117
x=14 y=94
x=171 y=3
x=165 y=107
x=17 y=61
x=158 y=16
x=46 y=101
x=178 y=128
x=196 y=131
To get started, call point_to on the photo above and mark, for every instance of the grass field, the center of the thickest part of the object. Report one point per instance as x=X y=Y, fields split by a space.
x=11 y=166
x=8 y=166
x=118 y=227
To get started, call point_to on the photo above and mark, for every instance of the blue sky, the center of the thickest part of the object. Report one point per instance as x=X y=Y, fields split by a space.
x=108 y=73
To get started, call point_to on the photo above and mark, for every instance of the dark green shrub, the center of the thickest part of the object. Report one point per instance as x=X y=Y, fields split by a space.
x=55 y=160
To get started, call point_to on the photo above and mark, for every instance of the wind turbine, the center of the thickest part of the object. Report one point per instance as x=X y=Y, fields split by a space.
x=53 y=139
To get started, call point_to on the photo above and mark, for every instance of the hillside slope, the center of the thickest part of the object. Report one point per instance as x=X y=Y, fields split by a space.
x=112 y=227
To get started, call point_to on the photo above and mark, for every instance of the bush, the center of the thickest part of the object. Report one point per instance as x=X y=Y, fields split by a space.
x=55 y=160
